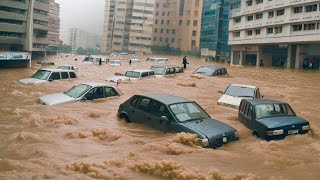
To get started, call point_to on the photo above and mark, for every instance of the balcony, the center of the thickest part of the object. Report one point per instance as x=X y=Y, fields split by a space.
x=14 y=4
x=10 y=40
x=6 y=27
x=14 y=16
x=40 y=17
x=36 y=40
x=40 y=27
x=41 y=6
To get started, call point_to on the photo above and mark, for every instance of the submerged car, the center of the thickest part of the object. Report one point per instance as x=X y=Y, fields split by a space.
x=132 y=75
x=270 y=119
x=68 y=67
x=45 y=75
x=234 y=93
x=164 y=71
x=175 y=114
x=94 y=59
x=84 y=91
x=115 y=62
x=210 y=71
x=158 y=60
x=133 y=60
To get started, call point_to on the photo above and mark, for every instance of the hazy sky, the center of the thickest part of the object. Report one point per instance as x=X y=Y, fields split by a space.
x=84 y=14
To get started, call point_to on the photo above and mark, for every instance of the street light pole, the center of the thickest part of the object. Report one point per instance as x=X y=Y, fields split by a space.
x=141 y=37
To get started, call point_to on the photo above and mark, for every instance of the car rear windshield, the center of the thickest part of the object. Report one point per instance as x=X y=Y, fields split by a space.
x=41 y=74
x=159 y=70
x=188 y=111
x=205 y=71
x=78 y=90
x=238 y=91
x=132 y=74
x=88 y=59
x=272 y=110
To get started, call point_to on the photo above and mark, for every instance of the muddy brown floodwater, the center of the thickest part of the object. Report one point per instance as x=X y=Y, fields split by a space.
x=86 y=140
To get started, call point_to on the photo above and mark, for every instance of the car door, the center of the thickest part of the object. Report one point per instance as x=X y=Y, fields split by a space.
x=144 y=74
x=54 y=76
x=141 y=111
x=64 y=76
x=95 y=93
x=157 y=110
x=110 y=92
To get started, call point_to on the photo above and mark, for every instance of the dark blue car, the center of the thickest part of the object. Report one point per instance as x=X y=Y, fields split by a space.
x=175 y=114
x=270 y=119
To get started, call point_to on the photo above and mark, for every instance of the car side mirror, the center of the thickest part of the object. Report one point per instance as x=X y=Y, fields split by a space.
x=164 y=118
x=50 y=80
x=220 y=92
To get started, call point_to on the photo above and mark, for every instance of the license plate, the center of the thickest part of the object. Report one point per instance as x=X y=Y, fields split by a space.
x=224 y=139
x=293 y=131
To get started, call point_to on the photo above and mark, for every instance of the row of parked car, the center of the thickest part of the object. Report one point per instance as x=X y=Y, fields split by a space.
x=267 y=119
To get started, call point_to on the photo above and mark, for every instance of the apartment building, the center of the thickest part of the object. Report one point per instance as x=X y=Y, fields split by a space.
x=24 y=25
x=54 y=28
x=79 y=38
x=215 y=30
x=177 y=24
x=128 y=26
x=278 y=33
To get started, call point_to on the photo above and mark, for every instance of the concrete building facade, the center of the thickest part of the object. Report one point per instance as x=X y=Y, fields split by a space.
x=54 y=28
x=128 y=26
x=215 y=30
x=79 y=38
x=24 y=25
x=280 y=33
x=177 y=24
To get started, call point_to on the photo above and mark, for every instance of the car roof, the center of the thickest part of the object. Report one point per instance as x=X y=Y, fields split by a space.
x=214 y=67
x=56 y=70
x=244 y=85
x=141 y=70
x=114 y=60
x=94 y=84
x=163 y=66
x=166 y=98
x=263 y=101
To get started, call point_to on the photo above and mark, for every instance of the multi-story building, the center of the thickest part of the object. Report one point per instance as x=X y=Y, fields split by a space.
x=177 y=24
x=79 y=38
x=214 y=29
x=24 y=25
x=277 y=33
x=54 y=28
x=128 y=26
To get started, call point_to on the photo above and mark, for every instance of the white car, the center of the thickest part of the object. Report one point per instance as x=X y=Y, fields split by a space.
x=133 y=60
x=164 y=71
x=115 y=62
x=234 y=93
x=85 y=91
x=45 y=75
x=68 y=67
x=132 y=75
x=158 y=60
x=94 y=59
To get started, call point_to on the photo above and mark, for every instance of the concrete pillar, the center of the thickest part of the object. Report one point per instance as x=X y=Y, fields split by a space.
x=289 y=56
x=259 y=56
x=297 y=64
x=240 y=59
x=231 y=60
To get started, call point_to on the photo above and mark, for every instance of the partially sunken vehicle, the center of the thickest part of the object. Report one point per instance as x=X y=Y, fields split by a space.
x=175 y=114
x=115 y=62
x=158 y=60
x=210 y=71
x=164 y=71
x=84 y=91
x=234 y=93
x=68 y=67
x=132 y=75
x=270 y=119
x=45 y=75
x=95 y=59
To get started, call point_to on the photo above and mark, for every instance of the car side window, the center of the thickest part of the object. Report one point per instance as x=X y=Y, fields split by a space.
x=144 y=104
x=72 y=75
x=55 y=76
x=250 y=112
x=246 y=109
x=98 y=93
x=151 y=73
x=134 y=101
x=167 y=71
x=109 y=91
x=157 y=109
x=89 y=95
x=64 y=75
x=144 y=74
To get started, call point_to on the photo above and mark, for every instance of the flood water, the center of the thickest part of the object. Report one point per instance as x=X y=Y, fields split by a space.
x=86 y=140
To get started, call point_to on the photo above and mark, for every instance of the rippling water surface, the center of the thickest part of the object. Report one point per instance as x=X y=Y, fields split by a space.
x=86 y=140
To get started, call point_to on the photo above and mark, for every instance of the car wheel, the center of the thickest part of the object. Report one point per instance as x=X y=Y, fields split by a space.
x=124 y=117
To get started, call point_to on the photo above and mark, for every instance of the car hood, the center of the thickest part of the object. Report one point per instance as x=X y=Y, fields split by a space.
x=116 y=78
x=231 y=100
x=274 y=122
x=210 y=127
x=56 y=99
x=32 y=81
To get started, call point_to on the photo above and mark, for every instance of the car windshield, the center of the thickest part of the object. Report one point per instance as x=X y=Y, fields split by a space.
x=88 y=59
x=41 y=74
x=159 y=70
x=205 y=71
x=239 y=91
x=77 y=91
x=188 y=111
x=271 y=110
x=64 y=67
x=132 y=74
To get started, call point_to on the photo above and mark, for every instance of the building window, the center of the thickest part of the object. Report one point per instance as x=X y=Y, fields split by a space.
x=259 y=16
x=278 y=29
x=162 y=21
x=168 y=14
x=163 y=13
x=157 y=13
x=161 y=31
x=297 y=27
x=193 y=43
x=249 y=18
x=196 y=13
x=188 y=22
x=311 y=26
x=259 y=1
x=249 y=32
x=195 y=23
x=269 y=30
x=168 y=21
x=173 y=31
x=236 y=34
x=161 y=39
x=270 y=14
x=194 y=33
x=257 y=31
x=155 y=30
x=280 y=12
x=167 y=31
x=180 y=22
x=156 y=22
x=154 y=38
x=311 y=8
x=167 y=40
x=235 y=5
x=237 y=20
x=157 y=5
x=249 y=3
x=172 y=40
x=297 y=9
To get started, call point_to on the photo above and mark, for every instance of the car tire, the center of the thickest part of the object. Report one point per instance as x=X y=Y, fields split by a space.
x=124 y=117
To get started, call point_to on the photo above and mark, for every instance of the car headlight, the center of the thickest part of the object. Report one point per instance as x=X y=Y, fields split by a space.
x=307 y=127
x=275 y=132
x=205 y=142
